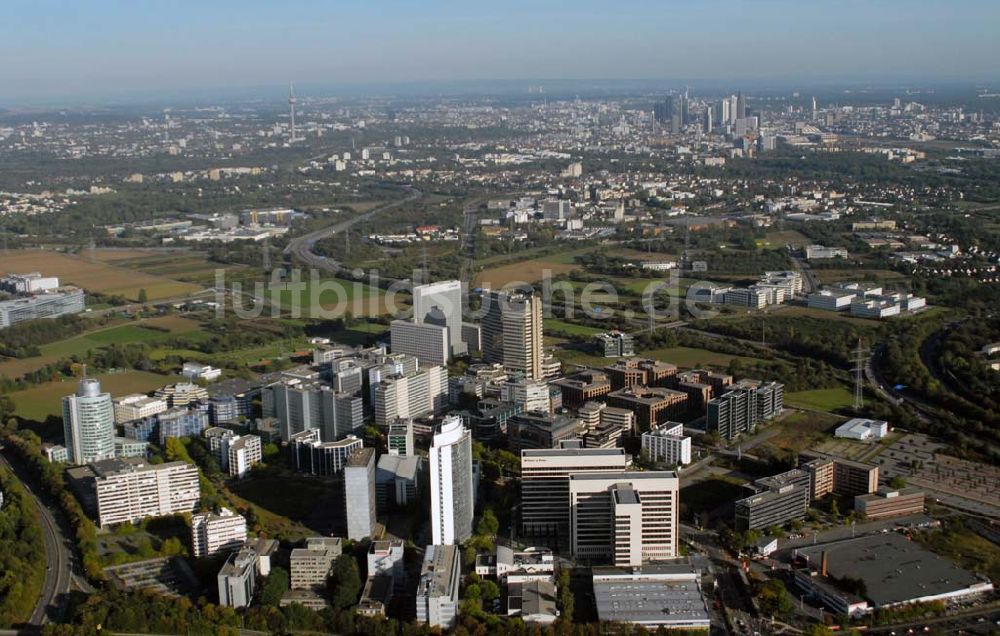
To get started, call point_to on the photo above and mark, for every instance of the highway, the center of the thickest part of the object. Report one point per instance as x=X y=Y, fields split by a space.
x=60 y=578
x=301 y=247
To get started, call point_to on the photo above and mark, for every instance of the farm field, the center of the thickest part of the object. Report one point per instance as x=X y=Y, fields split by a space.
x=821 y=399
x=528 y=271
x=95 y=276
x=781 y=239
x=43 y=400
x=183 y=265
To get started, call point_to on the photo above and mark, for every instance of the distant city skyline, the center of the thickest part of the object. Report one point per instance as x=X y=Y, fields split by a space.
x=111 y=48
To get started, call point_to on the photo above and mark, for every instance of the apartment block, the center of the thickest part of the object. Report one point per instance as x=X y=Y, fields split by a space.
x=130 y=490
x=216 y=532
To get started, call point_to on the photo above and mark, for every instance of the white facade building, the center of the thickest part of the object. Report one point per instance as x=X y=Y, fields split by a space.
x=211 y=533
x=89 y=423
x=668 y=444
x=452 y=488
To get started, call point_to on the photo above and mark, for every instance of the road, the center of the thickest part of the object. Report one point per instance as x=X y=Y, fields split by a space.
x=60 y=577
x=301 y=247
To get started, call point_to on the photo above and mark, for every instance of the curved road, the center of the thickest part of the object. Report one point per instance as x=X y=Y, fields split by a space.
x=301 y=247
x=59 y=563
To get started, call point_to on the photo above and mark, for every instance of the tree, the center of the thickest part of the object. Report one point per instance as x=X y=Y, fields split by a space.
x=274 y=587
x=774 y=599
x=897 y=482
x=143 y=297
x=491 y=590
x=835 y=509
x=345 y=582
x=473 y=592
x=488 y=524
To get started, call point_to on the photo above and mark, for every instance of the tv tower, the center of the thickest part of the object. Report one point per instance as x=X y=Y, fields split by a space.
x=291 y=106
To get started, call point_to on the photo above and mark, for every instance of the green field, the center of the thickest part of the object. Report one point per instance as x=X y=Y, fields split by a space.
x=821 y=399
x=289 y=496
x=798 y=430
x=43 y=400
x=117 y=335
x=337 y=296
x=691 y=358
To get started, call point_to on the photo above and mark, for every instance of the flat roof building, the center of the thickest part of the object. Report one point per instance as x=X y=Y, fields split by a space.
x=359 y=493
x=130 y=490
x=890 y=503
x=310 y=566
x=653 y=596
x=211 y=532
x=437 y=591
x=652 y=405
x=778 y=500
x=862 y=429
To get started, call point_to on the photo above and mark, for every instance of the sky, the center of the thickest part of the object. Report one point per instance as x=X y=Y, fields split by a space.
x=51 y=49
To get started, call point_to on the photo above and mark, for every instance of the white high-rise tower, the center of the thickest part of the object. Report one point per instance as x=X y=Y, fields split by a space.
x=452 y=498
x=291 y=106
x=89 y=423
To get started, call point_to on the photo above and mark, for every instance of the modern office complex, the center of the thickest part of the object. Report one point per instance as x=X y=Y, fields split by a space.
x=130 y=490
x=777 y=500
x=452 y=487
x=626 y=518
x=639 y=372
x=420 y=393
x=89 y=423
x=397 y=480
x=512 y=331
x=301 y=406
x=886 y=502
x=837 y=476
x=215 y=532
x=359 y=493
x=615 y=344
x=668 y=444
x=437 y=592
x=652 y=406
x=545 y=504
x=583 y=387
x=69 y=300
x=743 y=406
x=309 y=454
x=181 y=422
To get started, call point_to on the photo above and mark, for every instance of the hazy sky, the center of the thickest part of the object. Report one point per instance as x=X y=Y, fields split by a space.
x=90 y=48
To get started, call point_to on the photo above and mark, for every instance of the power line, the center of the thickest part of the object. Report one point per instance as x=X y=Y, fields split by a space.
x=859 y=373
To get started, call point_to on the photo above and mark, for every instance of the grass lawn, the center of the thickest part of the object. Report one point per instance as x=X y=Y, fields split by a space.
x=821 y=399
x=572 y=356
x=43 y=400
x=799 y=430
x=781 y=239
x=571 y=328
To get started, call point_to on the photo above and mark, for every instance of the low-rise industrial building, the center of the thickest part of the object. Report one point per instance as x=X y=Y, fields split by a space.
x=653 y=596
x=890 y=503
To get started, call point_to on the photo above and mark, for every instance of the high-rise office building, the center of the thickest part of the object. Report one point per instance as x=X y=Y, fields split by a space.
x=452 y=488
x=359 y=493
x=399 y=439
x=512 y=331
x=626 y=518
x=741 y=105
x=428 y=342
x=89 y=423
x=743 y=406
x=545 y=483
x=446 y=298
x=300 y=406
x=776 y=500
